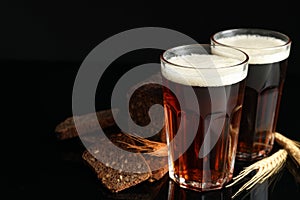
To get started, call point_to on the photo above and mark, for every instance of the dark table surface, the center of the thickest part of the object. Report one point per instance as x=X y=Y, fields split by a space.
x=46 y=168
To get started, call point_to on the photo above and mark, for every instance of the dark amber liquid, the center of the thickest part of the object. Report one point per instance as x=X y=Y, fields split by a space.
x=263 y=92
x=192 y=170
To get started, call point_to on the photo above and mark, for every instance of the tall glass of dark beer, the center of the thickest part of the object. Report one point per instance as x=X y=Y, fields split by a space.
x=268 y=53
x=203 y=94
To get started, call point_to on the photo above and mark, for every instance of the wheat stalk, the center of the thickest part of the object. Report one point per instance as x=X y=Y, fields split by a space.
x=265 y=168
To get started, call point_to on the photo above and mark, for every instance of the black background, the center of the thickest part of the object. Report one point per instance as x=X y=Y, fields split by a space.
x=42 y=47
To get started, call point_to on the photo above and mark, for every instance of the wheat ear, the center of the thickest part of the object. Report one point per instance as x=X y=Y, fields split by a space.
x=291 y=146
x=265 y=168
x=150 y=147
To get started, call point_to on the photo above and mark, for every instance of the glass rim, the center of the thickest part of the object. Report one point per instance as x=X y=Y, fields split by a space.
x=254 y=31
x=241 y=62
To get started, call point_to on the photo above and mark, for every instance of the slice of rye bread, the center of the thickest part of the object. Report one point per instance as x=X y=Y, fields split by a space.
x=142 y=96
x=114 y=180
x=118 y=171
x=158 y=164
x=116 y=168
x=86 y=123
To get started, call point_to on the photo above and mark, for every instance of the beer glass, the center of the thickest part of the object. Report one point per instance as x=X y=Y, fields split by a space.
x=268 y=53
x=202 y=96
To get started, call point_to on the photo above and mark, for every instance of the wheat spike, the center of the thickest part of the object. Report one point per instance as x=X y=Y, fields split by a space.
x=265 y=168
x=152 y=148
x=291 y=146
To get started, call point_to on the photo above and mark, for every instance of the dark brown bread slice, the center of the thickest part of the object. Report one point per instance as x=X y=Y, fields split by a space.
x=158 y=164
x=155 y=154
x=113 y=179
x=87 y=124
x=142 y=97
x=116 y=168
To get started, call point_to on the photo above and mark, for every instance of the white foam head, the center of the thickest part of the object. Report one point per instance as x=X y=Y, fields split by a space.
x=204 y=70
x=261 y=49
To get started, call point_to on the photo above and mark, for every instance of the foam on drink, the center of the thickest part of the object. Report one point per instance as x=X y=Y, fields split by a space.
x=204 y=70
x=261 y=49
